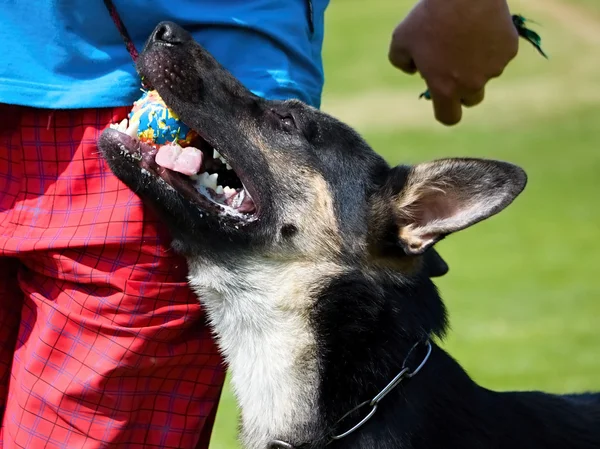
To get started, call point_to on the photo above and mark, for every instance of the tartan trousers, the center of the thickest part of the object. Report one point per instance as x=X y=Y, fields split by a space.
x=102 y=344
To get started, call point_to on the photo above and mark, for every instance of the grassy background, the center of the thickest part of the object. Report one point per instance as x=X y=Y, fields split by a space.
x=524 y=287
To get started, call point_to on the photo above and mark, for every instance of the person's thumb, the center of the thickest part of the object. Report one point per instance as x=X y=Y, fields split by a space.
x=400 y=56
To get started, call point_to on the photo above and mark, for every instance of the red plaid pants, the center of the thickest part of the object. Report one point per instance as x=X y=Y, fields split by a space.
x=102 y=343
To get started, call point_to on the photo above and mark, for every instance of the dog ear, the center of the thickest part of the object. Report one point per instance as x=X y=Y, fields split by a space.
x=432 y=200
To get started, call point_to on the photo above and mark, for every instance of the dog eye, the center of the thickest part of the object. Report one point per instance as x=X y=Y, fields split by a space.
x=286 y=120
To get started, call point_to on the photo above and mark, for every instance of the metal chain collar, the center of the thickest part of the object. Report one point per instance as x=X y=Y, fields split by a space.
x=405 y=373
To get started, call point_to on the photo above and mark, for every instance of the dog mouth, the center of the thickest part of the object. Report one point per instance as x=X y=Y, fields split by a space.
x=198 y=171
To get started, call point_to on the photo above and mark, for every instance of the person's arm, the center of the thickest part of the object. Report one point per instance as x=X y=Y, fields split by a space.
x=457 y=46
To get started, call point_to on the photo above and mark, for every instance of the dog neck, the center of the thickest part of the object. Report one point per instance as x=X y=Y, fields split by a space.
x=260 y=310
x=289 y=353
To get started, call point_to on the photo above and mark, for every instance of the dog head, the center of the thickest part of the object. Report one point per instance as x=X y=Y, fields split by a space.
x=312 y=188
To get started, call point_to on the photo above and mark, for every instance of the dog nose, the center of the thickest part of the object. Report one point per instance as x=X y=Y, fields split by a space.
x=169 y=33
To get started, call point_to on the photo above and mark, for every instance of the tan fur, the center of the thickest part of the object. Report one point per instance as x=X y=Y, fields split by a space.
x=311 y=208
x=260 y=311
x=319 y=229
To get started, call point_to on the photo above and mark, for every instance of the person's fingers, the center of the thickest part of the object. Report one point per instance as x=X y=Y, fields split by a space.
x=473 y=99
x=401 y=58
x=447 y=108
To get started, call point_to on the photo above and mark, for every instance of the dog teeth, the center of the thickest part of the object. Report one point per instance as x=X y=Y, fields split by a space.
x=239 y=199
x=227 y=166
x=217 y=155
x=219 y=190
x=208 y=181
x=132 y=129
x=122 y=126
x=212 y=179
x=201 y=179
x=228 y=191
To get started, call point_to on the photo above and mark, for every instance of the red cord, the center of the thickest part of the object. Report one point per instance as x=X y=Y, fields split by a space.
x=122 y=30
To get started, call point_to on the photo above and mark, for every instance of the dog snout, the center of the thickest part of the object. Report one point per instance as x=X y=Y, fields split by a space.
x=169 y=33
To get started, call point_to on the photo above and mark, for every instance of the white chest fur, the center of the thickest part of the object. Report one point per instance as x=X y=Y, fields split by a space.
x=259 y=312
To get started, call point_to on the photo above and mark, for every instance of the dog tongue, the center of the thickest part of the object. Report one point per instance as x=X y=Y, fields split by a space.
x=186 y=160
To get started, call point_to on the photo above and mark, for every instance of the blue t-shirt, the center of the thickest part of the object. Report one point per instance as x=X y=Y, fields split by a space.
x=69 y=54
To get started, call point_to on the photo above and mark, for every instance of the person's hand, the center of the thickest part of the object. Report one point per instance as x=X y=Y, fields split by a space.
x=457 y=46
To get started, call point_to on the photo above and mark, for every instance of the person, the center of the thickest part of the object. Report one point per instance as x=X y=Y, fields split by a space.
x=457 y=46
x=102 y=343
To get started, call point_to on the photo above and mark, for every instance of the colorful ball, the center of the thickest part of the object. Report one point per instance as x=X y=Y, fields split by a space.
x=158 y=124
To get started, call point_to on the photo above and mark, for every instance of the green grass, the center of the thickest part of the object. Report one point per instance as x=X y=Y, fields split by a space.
x=524 y=287
x=591 y=5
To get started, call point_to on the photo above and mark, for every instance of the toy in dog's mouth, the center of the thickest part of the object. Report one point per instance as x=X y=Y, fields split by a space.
x=185 y=161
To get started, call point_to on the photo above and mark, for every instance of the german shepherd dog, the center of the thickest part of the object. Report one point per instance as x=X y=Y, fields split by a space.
x=315 y=271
